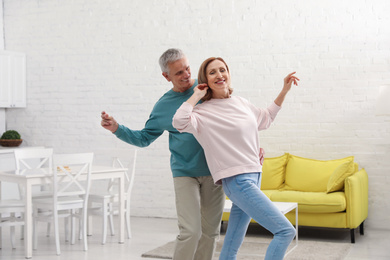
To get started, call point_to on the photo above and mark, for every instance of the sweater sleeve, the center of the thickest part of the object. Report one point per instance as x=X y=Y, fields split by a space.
x=140 y=138
x=184 y=120
x=267 y=116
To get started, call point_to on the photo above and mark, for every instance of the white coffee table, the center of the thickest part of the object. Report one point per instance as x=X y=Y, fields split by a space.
x=284 y=208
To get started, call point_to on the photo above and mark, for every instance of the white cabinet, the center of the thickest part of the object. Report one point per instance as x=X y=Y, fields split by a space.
x=12 y=79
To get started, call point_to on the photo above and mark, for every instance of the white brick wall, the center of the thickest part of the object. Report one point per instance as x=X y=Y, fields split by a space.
x=87 y=56
x=2 y=110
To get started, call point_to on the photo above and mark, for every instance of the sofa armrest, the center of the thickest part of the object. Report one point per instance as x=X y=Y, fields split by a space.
x=356 y=193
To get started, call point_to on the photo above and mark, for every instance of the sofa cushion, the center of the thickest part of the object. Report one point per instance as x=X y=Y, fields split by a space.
x=336 y=180
x=269 y=193
x=311 y=175
x=313 y=202
x=273 y=172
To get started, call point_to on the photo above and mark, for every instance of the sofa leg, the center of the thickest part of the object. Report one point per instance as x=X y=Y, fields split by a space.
x=362 y=228
x=353 y=236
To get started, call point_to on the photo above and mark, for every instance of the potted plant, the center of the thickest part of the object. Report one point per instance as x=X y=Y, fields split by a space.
x=10 y=138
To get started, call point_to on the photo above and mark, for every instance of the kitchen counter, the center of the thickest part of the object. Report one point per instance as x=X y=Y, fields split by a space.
x=5 y=150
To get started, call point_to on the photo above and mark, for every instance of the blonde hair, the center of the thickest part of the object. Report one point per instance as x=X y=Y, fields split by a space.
x=202 y=76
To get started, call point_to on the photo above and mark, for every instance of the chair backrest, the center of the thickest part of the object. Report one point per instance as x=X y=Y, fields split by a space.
x=33 y=158
x=72 y=174
x=125 y=160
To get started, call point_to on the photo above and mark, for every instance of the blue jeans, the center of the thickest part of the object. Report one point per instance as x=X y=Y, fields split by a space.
x=250 y=202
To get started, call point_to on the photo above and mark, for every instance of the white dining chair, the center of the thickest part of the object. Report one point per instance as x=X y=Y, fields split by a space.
x=11 y=215
x=105 y=203
x=70 y=189
x=31 y=160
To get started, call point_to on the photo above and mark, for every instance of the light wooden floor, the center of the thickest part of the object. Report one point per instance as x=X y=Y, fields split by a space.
x=149 y=233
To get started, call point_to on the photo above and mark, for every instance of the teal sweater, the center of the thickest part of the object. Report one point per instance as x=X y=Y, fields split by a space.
x=187 y=156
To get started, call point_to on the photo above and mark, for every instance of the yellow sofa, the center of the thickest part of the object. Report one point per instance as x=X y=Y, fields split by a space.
x=332 y=194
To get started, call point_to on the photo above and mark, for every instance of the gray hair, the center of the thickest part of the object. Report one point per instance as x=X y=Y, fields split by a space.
x=169 y=56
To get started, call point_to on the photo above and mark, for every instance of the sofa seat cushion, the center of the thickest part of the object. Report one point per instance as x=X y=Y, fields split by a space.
x=313 y=202
x=269 y=193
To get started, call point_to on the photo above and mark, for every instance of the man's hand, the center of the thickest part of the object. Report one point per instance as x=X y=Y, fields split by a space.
x=108 y=122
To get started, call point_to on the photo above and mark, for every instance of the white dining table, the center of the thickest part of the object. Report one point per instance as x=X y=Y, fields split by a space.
x=29 y=180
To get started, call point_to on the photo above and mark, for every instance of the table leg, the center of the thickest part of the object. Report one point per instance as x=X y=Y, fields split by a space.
x=121 y=209
x=296 y=232
x=89 y=225
x=28 y=222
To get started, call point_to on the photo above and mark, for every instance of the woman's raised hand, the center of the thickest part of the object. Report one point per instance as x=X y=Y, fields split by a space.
x=289 y=80
x=201 y=90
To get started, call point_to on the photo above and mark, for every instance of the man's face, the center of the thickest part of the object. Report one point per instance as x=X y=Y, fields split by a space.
x=179 y=74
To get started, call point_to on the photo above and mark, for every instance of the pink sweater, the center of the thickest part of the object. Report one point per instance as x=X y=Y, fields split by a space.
x=227 y=129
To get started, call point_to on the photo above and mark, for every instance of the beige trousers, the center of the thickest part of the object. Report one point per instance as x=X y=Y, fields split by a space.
x=199 y=206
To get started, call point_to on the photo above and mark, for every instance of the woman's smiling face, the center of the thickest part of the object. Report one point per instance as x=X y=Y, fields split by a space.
x=218 y=79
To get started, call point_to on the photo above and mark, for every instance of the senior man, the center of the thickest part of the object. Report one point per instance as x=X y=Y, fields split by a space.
x=199 y=202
